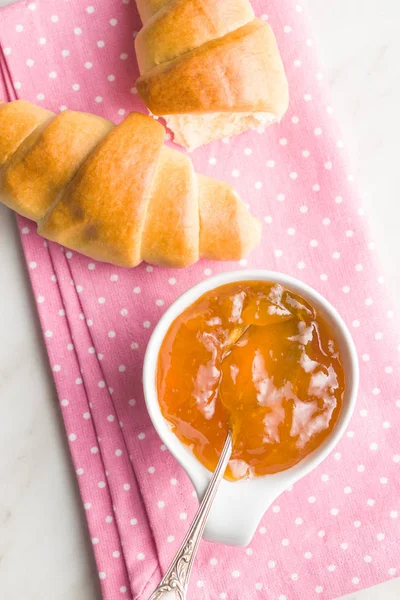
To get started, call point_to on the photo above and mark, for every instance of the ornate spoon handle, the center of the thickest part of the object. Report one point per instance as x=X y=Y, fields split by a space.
x=174 y=584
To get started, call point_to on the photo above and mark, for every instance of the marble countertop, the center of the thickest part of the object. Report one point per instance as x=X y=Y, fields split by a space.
x=45 y=551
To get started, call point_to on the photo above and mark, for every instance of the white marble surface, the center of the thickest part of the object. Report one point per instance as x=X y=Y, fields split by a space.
x=44 y=548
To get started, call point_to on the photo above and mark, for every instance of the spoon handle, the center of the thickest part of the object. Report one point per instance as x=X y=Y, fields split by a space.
x=174 y=584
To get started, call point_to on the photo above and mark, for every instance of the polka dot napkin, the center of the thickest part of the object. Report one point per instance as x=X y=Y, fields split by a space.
x=337 y=530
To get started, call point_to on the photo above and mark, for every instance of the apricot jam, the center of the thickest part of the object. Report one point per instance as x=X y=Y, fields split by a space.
x=258 y=359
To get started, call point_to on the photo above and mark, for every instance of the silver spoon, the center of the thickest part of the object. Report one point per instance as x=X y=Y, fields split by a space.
x=173 y=585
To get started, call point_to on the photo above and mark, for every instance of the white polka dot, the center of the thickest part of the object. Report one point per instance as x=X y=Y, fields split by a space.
x=285 y=542
x=90 y=10
x=334 y=512
x=370 y=502
x=98 y=99
x=132 y=402
x=291 y=231
x=173 y=482
x=357 y=524
x=293 y=175
x=151 y=470
x=72 y=437
x=318 y=131
x=111 y=334
x=331 y=568
x=122 y=368
x=303 y=209
x=79 y=471
x=392 y=571
x=95 y=541
x=356 y=323
x=19 y=28
x=344 y=546
x=118 y=452
x=355 y=580
x=336 y=255
x=88 y=65
x=7 y=51
x=87 y=506
x=361 y=468
x=146 y=324
x=358 y=267
x=316 y=187
x=295 y=120
x=124 y=312
x=258 y=586
x=111 y=418
x=380 y=537
x=54 y=19
x=133 y=522
x=326 y=221
x=111 y=77
x=394 y=514
x=376 y=391
x=100 y=44
x=170 y=539
x=86 y=416
x=76 y=87
x=321 y=533
x=123 y=589
x=235 y=173
x=56 y=368
x=126 y=487
x=235 y=574
x=319 y=589
x=113 y=22
x=200 y=583
x=301 y=265
x=94 y=450
x=123 y=56
x=383 y=480
x=294 y=577
x=53 y=75
x=141 y=556
x=263 y=530
x=280 y=197
x=270 y=164
x=77 y=31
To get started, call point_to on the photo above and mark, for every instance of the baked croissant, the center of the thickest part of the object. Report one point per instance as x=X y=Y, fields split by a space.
x=209 y=68
x=117 y=194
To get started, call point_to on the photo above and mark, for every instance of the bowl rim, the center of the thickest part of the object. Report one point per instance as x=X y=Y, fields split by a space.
x=196 y=470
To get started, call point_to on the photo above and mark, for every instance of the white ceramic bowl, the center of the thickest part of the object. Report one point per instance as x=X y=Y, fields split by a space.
x=239 y=506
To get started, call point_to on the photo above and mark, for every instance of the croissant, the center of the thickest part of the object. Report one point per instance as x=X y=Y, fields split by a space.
x=117 y=194
x=209 y=67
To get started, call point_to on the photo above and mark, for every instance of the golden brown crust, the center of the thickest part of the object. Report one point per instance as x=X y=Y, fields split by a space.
x=17 y=120
x=227 y=229
x=240 y=72
x=148 y=8
x=102 y=213
x=118 y=195
x=48 y=159
x=174 y=201
x=182 y=25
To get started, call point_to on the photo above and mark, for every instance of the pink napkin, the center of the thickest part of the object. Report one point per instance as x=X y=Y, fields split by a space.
x=337 y=530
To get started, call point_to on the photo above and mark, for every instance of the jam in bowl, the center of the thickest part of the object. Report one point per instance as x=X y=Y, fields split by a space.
x=266 y=357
